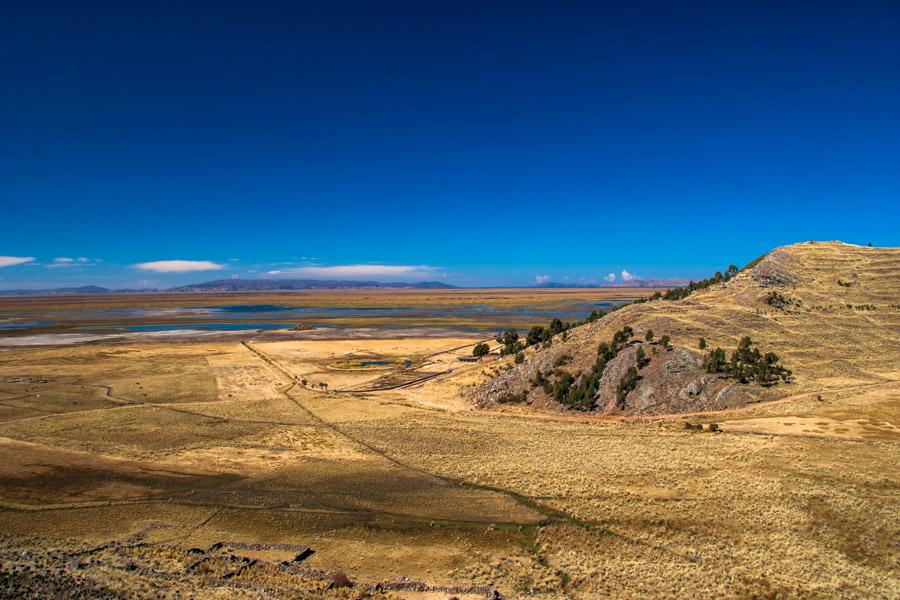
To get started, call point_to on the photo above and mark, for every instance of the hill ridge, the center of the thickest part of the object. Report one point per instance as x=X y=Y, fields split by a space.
x=829 y=310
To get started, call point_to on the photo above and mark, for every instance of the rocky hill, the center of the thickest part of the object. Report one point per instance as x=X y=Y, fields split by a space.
x=829 y=312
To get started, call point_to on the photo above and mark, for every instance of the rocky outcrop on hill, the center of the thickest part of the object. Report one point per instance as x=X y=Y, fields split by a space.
x=774 y=270
x=825 y=309
x=671 y=380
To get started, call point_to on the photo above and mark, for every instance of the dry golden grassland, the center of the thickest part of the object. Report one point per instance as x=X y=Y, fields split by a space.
x=115 y=461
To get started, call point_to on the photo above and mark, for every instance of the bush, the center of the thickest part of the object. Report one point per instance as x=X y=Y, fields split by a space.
x=513 y=398
x=562 y=360
x=561 y=386
x=778 y=300
x=641 y=358
x=520 y=358
x=626 y=384
x=480 y=349
x=649 y=335
x=665 y=341
x=702 y=344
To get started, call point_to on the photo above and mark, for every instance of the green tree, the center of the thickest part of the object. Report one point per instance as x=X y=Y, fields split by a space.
x=649 y=335
x=508 y=337
x=561 y=386
x=535 y=335
x=480 y=349
x=556 y=326
x=665 y=341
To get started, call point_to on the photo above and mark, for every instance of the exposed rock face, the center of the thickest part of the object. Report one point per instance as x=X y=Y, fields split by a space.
x=673 y=381
x=775 y=270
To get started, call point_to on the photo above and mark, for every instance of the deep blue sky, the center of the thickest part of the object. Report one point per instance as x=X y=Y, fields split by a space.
x=494 y=142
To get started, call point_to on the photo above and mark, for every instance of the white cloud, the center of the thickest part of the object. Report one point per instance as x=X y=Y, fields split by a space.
x=275 y=272
x=626 y=276
x=9 y=261
x=539 y=279
x=65 y=261
x=361 y=271
x=610 y=278
x=179 y=266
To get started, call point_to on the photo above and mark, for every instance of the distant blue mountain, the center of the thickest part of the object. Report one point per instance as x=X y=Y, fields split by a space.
x=264 y=285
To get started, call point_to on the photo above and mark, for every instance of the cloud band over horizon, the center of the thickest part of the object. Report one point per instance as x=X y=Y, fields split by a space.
x=358 y=271
x=179 y=266
x=11 y=261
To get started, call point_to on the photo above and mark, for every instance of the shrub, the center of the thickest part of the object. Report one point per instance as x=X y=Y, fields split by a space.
x=513 y=397
x=626 y=384
x=340 y=580
x=778 y=300
x=480 y=349
x=702 y=344
x=561 y=386
x=562 y=360
x=520 y=358
x=649 y=335
x=665 y=341
x=641 y=358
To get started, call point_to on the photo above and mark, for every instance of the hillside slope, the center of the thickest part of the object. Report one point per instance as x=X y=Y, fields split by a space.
x=834 y=321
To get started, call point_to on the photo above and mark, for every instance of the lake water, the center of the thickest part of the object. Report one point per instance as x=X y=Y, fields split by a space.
x=474 y=318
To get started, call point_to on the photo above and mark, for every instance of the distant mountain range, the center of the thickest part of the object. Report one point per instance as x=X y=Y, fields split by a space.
x=242 y=285
x=85 y=289
x=635 y=283
x=264 y=285
x=273 y=285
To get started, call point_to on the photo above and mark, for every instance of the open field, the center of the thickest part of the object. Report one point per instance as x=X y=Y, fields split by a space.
x=123 y=467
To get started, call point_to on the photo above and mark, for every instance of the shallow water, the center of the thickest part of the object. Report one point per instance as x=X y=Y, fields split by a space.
x=473 y=318
x=24 y=326
x=253 y=326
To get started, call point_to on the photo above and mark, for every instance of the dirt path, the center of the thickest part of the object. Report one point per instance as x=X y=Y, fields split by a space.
x=551 y=515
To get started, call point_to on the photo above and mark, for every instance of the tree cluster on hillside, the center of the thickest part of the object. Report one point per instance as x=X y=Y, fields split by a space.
x=779 y=300
x=509 y=340
x=679 y=293
x=511 y=343
x=747 y=364
x=693 y=286
x=582 y=396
